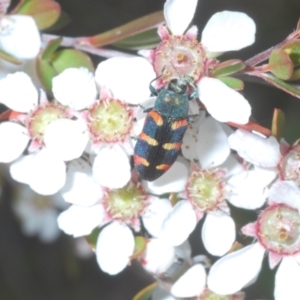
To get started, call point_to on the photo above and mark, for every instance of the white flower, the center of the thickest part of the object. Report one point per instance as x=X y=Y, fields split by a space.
x=48 y=126
x=180 y=53
x=277 y=232
x=96 y=206
x=19 y=36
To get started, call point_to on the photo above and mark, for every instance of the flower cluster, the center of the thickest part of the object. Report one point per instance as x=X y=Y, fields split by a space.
x=77 y=143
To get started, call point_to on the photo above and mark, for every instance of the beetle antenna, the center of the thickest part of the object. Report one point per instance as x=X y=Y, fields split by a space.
x=176 y=71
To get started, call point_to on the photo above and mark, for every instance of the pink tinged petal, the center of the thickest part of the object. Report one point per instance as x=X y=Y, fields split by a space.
x=158 y=257
x=20 y=37
x=80 y=188
x=222 y=102
x=42 y=171
x=235 y=270
x=255 y=149
x=174 y=180
x=155 y=214
x=191 y=283
x=111 y=168
x=114 y=247
x=212 y=146
x=218 y=233
x=14 y=140
x=250 y=229
x=286 y=192
x=66 y=138
x=80 y=221
x=127 y=78
x=18 y=92
x=179 y=14
x=248 y=189
x=274 y=259
x=287 y=280
x=179 y=224
x=228 y=31
x=75 y=87
x=232 y=165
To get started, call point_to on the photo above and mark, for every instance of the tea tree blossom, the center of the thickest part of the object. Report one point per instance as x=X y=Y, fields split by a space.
x=116 y=211
x=37 y=120
x=277 y=232
x=181 y=54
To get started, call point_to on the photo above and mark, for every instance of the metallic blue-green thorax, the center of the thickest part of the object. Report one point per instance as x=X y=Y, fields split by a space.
x=171 y=104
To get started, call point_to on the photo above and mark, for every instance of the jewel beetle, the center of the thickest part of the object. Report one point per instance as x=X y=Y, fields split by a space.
x=160 y=141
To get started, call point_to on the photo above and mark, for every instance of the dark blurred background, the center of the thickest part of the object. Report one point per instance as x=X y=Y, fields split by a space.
x=32 y=270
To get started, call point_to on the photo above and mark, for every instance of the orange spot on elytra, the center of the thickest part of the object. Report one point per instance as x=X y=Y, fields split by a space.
x=156 y=117
x=151 y=141
x=163 y=167
x=179 y=123
x=171 y=146
x=138 y=160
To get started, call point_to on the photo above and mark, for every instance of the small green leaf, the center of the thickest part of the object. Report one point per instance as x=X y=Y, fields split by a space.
x=278 y=123
x=50 y=48
x=144 y=40
x=227 y=68
x=296 y=74
x=93 y=237
x=139 y=247
x=280 y=84
x=70 y=58
x=9 y=58
x=146 y=293
x=233 y=83
x=292 y=49
x=280 y=64
x=63 y=20
x=57 y=62
x=45 y=13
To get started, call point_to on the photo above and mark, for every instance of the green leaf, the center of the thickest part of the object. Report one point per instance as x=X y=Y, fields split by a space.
x=278 y=123
x=290 y=89
x=93 y=237
x=145 y=40
x=50 y=48
x=280 y=64
x=292 y=49
x=45 y=13
x=9 y=58
x=70 y=58
x=233 y=83
x=50 y=64
x=63 y=20
x=296 y=74
x=139 y=247
x=227 y=68
x=146 y=292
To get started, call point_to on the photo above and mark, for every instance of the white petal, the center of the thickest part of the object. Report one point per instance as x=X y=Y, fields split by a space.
x=44 y=173
x=212 y=145
x=255 y=149
x=75 y=87
x=218 y=233
x=128 y=78
x=80 y=221
x=179 y=224
x=80 y=188
x=248 y=190
x=227 y=31
x=111 y=168
x=18 y=92
x=232 y=272
x=48 y=229
x=21 y=37
x=222 y=102
x=14 y=140
x=114 y=247
x=191 y=283
x=287 y=280
x=174 y=180
x=232 y=165
x=286 y=192
x=155 y=214
x=179 y=14
x=66 y=138
x=158 y=256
